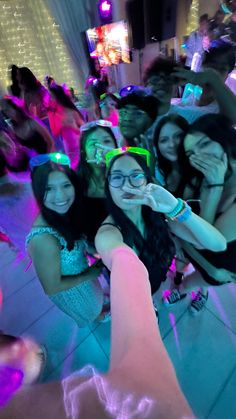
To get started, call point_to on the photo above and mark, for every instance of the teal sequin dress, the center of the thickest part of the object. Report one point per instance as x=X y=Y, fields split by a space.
x=82 y=302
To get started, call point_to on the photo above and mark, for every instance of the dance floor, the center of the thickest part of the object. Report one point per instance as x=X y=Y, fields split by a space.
x=202 y=348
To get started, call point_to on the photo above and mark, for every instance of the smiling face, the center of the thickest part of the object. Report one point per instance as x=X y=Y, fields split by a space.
x=101 y=137
x=126 y=166
x=199 y=143
x=59 y=193
x=169 y=140
x=161 y=86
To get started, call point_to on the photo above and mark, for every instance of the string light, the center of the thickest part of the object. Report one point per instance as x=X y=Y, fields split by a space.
x=193 y=17
x=30 y=37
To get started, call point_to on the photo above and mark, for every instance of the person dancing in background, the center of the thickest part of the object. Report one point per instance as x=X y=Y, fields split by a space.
x=29 y=132
x=65 y=122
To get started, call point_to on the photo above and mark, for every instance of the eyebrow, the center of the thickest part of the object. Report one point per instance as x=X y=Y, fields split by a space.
x=64 y=183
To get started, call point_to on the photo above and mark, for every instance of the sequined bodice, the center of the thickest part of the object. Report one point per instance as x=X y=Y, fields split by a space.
x=73 y=261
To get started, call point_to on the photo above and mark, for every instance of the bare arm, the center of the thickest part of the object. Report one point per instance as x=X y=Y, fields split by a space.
x=45 y=253
x=223 y=95
x=199 y=232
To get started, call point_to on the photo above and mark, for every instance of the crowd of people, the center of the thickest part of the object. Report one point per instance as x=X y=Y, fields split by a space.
x=121 y=196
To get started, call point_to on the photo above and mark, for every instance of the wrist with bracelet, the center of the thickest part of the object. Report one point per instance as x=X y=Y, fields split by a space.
x=181 y=212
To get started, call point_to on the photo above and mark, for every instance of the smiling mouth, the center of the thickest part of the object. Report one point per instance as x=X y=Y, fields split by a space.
x=61 y=204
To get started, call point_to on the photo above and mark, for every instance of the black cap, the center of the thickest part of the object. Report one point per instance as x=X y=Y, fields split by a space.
x=144 y=101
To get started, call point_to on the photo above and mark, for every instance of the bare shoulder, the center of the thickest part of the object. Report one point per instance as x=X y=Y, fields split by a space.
x=108 y=235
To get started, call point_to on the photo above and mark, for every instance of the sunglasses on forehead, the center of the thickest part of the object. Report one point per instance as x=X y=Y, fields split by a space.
x=41 y=159
x=98 y=123
x=136 y=150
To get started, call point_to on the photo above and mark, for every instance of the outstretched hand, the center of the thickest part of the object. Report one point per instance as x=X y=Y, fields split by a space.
x=200 y=78
x=155 y=196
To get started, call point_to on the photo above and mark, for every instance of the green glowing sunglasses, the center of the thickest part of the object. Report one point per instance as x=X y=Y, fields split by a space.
x=41 y=159
x=136 y=150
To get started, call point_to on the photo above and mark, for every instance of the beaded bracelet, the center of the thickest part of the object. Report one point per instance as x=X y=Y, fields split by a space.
x=182 y=211
x=177 y=210
x=184 y=215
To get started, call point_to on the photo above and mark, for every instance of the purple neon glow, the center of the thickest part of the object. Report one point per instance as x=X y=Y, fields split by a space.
x=10 y=381
x=166 y=293
x=105 y=8
x=116 y=402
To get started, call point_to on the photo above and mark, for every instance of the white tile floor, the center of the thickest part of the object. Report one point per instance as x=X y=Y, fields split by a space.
x=203 y=348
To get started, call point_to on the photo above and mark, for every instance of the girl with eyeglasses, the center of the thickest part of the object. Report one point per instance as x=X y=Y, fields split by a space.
x=57 y=244
x=138 y=211
x=96 y=139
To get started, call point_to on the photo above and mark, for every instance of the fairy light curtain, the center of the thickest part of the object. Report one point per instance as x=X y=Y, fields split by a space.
x=193 y=17
x=30 y=36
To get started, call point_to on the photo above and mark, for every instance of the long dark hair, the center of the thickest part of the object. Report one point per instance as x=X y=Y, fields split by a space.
x=69 y=224
x=157 y=243
x=164 y=165
x=18 y=105
x=14 y=88
x=62 y=98
x=84 y=170
x=219 y=129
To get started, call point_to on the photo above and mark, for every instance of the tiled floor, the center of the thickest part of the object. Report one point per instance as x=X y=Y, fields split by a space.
x=203 y=348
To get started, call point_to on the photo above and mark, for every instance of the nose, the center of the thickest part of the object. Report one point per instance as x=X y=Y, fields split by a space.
x=60 y=195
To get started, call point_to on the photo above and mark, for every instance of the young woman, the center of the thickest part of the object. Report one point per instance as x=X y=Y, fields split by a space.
x=96 y=139
x=56 y=243
x=65 y=121
x=210 y=146
x=168 y=140
x=138 y=209
x=29 y=132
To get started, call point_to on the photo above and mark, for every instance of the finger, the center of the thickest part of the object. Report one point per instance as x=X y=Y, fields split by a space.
x=198 y=167
x=225 y=159
x=133 y=191
x=200 y=163
x=134 y=201
x=103 y=147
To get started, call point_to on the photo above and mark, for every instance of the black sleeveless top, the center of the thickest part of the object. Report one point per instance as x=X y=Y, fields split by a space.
x=94 y=213
x=157 y=274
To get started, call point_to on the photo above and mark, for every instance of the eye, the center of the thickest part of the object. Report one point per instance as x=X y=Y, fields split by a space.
x=163 y=140
x=116 y=177
x=67 y=185
x=48 y=189
x=204 y=143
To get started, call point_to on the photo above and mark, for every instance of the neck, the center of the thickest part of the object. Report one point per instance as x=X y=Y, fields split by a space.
x=163 y=108
x=135 y=215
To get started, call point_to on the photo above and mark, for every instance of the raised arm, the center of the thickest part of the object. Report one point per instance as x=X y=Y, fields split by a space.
x=191 y=228
x=45 y=253
x=223 y=95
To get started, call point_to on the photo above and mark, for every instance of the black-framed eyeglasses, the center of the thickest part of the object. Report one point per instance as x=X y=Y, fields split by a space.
x=117 y=180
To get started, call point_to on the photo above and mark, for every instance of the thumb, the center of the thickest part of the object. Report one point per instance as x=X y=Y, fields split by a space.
x=225 y=159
